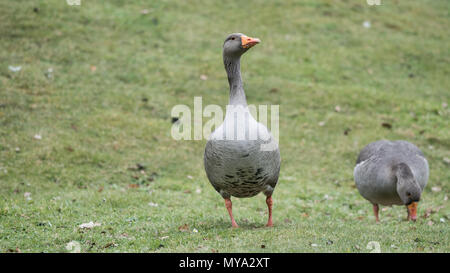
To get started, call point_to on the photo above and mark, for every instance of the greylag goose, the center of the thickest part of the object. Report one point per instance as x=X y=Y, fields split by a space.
x=391 y=173
x=237 y=159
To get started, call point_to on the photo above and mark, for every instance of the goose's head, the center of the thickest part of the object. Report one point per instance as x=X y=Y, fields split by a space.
x=237 y=44
x=408 y=189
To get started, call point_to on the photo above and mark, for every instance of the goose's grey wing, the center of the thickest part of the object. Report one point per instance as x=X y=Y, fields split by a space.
x=370 y=150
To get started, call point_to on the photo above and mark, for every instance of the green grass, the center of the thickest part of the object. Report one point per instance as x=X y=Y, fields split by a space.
x=314 y=56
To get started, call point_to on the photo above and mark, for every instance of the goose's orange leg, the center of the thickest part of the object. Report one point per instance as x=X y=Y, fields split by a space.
x=375 y=211
x=228 y=205
x=269 y=203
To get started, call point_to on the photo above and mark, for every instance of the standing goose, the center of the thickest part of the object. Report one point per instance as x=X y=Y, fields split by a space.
x=391 y=173
x=241 y=157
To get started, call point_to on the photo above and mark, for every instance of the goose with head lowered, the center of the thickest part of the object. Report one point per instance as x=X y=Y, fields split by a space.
x=392 y=173
x=241 y=156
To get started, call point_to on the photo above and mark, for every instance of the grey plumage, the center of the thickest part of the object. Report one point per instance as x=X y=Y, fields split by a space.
x=240 y=167
x=391 y=172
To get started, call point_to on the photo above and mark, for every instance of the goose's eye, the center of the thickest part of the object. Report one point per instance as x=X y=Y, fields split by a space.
x=232 y=38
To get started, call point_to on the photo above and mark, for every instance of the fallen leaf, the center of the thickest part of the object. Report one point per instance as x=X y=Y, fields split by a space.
x=327 y=197
x=49 y=73
x=14 y=68
x=152 y=204
x=73 y=247
x=112 y=244
x=38 y=137
x=27 y=196
x=183 y=228
x=263 y=246
x=137 y=167
x=427 y=213
x=386 y=125
x=436 y=189
x=93 y=68
x=17 y=250
x=322 y=123
x=203 y=77
x=337 y=108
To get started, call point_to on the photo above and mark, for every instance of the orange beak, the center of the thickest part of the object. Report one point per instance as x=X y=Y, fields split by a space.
x=412 y=211
x=248 y=42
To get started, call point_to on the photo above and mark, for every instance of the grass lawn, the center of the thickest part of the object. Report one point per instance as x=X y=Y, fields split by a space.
x=97 y=84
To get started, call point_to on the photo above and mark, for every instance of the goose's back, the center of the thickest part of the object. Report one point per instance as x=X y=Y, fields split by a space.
x=374 y=175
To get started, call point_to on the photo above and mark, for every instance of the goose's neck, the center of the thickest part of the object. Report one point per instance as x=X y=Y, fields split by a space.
x=405 y=176
x=402 y=171
x=233 y=68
